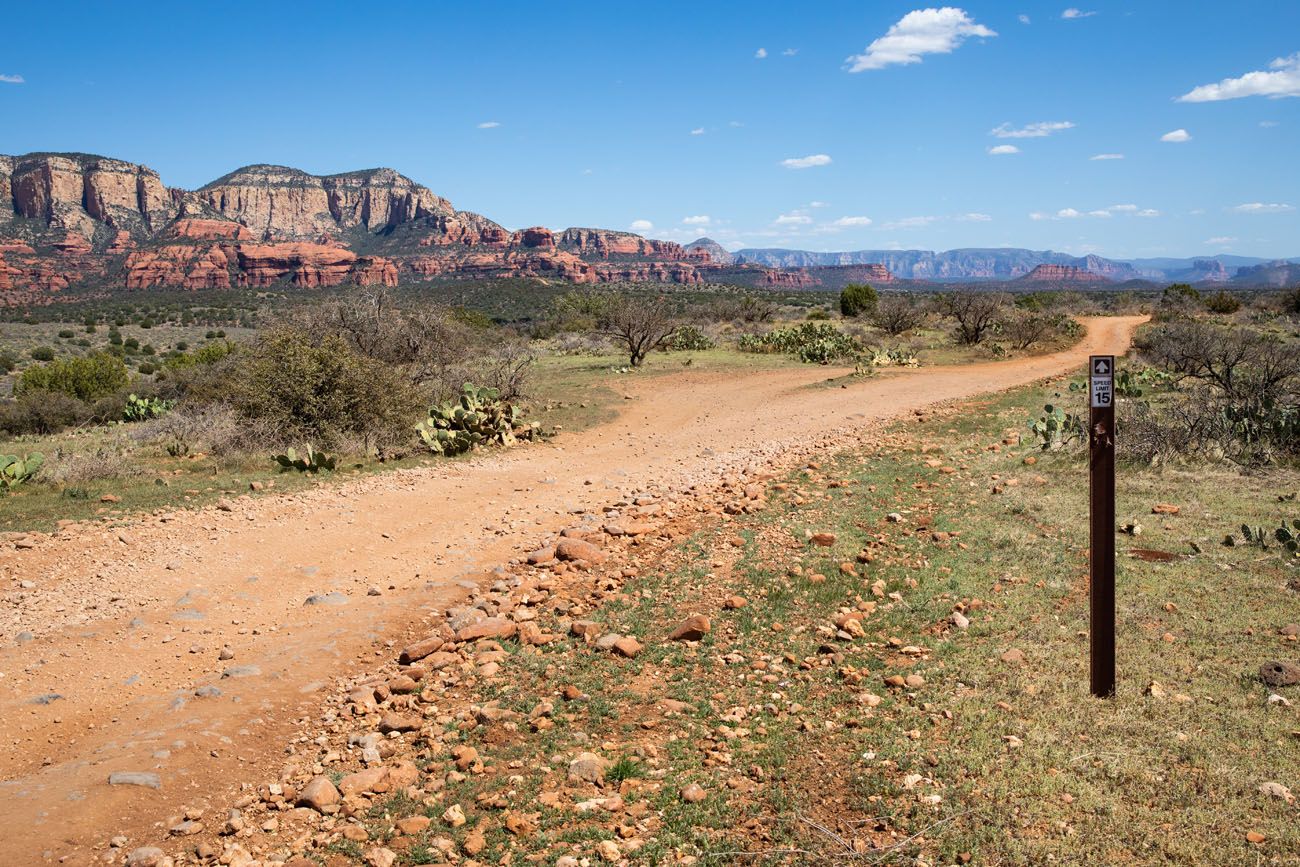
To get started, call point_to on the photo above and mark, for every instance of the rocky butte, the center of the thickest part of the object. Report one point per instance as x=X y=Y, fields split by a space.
x=1061 y=274
x=79 y=220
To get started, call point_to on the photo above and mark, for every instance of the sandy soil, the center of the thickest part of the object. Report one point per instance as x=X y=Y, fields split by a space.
x=112 y=638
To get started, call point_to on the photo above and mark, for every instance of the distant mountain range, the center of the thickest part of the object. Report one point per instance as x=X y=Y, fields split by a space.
x=1006 y=263
x=71 y=221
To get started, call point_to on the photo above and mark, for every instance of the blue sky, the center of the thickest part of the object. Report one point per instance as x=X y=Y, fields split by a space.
x=746 y=122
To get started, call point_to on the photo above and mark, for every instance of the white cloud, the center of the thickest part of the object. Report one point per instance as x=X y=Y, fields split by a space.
x=699 y=130
x=1033 y=130
x=641 y=226
x=974 y=218
x=760 y=54
x=817 y=204
x=1268 y=124
x=1148 y=212
x=790 y=52
x=794 y=219
x=910 y=223
x=12 y=79
x=1068 y=214
x=489 y=124
x=1101 y=213
x=852 y=222
x=1106 y=157
x=1178 y=135
x=1221 y=241
x=1039 y=215
x=1072 y=13
x=920 y=32
x=1124 y=209
x=735 y=124
x=1264 y=208
x=1024 y=19
x=1283 y=80
x=702 y=220
x=807 y=162
x=998 y=150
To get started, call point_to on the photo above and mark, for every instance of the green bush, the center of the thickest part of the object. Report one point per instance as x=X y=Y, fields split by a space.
x=85 y=378
x=208 y=353
x=42 y=412
x=43 y=353
x=1222 y=302
x=322 y=391
x=8 y=361
x=67 y=333
x=858 y=299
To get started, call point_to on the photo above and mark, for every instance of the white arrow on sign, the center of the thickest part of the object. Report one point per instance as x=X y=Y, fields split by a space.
x=1102 y=368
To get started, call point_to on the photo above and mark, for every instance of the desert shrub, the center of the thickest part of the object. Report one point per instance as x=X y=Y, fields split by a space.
x=85 y=378
x=435 y=348
x=897 y=314
x=858 y=299
x=579 y=344
x=67 y=333
x=975 y=313
x=813 y=342
x=321 y=390
x=689 y=338
x=742 y=308
x=1222 y=302
x=1023 y=328
x=42 y=412
x=69 y=468
x=42 y=353
x=8 y=361
x=214 y=428
x=1179 y=300
x=1289 y=302
x=208 y=353
x=1248 y=366
x=1238 y=395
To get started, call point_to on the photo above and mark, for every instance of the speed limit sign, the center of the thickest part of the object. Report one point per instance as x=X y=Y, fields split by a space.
x=1103 y=381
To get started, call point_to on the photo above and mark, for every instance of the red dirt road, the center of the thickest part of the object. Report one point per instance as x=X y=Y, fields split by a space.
x=111 y=638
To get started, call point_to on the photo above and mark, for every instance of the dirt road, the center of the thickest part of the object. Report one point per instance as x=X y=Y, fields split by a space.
x=184 y=647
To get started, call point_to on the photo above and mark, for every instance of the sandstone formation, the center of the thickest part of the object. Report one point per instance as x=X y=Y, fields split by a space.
x=1060 y=274
x=83 y=221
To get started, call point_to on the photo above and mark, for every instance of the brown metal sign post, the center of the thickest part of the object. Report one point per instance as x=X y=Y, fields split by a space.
x=1101 y=525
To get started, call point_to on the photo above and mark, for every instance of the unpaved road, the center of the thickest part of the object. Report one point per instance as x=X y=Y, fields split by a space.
x=111 y=638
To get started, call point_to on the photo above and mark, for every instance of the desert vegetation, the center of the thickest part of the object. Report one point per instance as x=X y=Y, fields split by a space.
x=110 y=393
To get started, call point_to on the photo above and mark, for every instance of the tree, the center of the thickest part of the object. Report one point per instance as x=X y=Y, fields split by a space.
x=641 y=323
x=975 y=312
x=896 y=314
x=857 y=299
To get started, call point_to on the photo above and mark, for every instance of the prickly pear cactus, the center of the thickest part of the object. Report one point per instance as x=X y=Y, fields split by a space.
x=15 y=470
x=479 y=416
